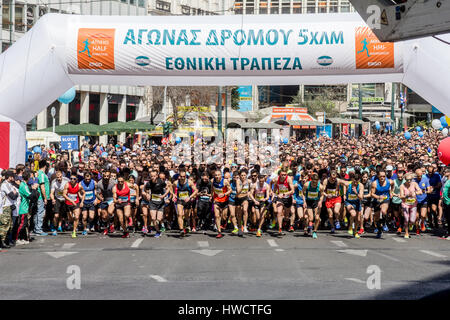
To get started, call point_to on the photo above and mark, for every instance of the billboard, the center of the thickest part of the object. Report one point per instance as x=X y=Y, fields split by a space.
x=245 y=98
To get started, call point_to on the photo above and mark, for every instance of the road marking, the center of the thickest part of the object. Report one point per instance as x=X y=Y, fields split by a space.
x=361 y=253
x=272 y=243
x=386 y=256
x=355 y=280
x=339 y=243
x=59 y=254
x=137 y=243
x=42 y=240
x=398 y=239
x=68 y=245
x=279 y=250
x=207 y=252
x=157 y=278
x=203 y=244
x=434 y=254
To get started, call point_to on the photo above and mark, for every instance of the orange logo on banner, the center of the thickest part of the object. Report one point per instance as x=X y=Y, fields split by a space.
x=95 y=48
x=370 y=52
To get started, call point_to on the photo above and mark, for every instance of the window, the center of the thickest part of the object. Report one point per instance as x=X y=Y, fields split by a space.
x=250 y=7
x=286 y=7
x=163 y=5
x=263 y=7
x=238 y=7
x=193 y=11
x=186 y=10
x=18 y=18
x=322 y=7
x=331 y=93
x=200 y=12
x=133 y=2
x=141 y=3
x=124 y=1
x=311 y=6
x=333 y=6
x=30 y=16
x=345 y=6
x=5 y=15
x=274 y=7
x=297 y=6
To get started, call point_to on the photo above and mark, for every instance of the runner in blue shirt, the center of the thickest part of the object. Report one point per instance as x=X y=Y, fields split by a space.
x=433 y=198
x=424 y=185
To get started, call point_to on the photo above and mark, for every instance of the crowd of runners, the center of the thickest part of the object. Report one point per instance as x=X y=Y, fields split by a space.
x=361 y=186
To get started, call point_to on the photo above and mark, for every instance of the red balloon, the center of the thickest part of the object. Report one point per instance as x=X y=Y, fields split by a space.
x=444 y=151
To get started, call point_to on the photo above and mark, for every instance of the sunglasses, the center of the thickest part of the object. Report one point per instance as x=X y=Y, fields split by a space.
x=73 y=178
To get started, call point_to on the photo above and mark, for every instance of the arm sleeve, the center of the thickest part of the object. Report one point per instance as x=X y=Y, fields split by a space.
x=445 y=193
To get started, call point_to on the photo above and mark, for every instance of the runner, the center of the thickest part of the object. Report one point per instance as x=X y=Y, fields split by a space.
x=204 y=187
x=422 y=205
x=158 y=192
x=89 y=202
x=184 y=191
x=408 y=193
x=259 y=194
x=105 y=196
x=121 y=196
x=72 y=193
x=381 y=193
x=134 y=200
x=312 y=203
x=242 y=190
x=221 y=191
x=284 y=189
x=58 y=201
x=333 y=200
x=353 y=198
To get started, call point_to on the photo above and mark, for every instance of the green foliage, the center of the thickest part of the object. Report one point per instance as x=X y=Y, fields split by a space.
x=422 y=123
x=321 y=103
x=234 y=98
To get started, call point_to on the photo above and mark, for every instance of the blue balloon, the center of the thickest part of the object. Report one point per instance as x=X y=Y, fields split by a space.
x=174 y=158
x=285 y=140
x=178 y=140
x=418 y=129
x=443 y=122
x=37 y=149
x=421 y=134
x=68 y=96
x=377 y=127
x=407 y=135
x=105 y=154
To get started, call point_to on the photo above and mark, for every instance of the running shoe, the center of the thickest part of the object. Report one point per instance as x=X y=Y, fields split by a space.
x=105 y=231
x=333 y=230
x=306 y=233
x=54 y=233
x=182 y=233
x=74 y=234
x=163 y=229
x=52 y=229
x=399 y=230
x=111 y=229
x=130 y=222
x=274 y=223
x=379 y=234
x=407 y=236
x=411 y=227
x=258 y=233
x=144 y=230
x=60 y=229
x=357 y=236
x=422 y=227
x=291 y=229
x=235 y=230
x=245 y=230
x=219 y=236
x=350 y=231
x=375 y=230
x=345 y=221
x=280 y=232
x=125 y=235
x=337 y=225
x=385 y=228
x=157 y=235
x=84 y=232
x=194 y=230
x=418 y=232
x=361 y=231
x=314 y=235
x=92 y=229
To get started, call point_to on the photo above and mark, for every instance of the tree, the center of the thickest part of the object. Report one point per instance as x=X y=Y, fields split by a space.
x=322 y=102
x=235 y=98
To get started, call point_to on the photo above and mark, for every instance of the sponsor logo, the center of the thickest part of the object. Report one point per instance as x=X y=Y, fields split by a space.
x=95 y=49
x=142 y=61
x=324 y=60
x=370 y=53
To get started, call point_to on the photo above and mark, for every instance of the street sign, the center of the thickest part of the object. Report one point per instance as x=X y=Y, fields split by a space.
x=69 y=142
x=53 y=112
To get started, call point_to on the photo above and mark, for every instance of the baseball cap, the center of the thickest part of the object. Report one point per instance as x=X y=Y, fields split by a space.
x=389 y=168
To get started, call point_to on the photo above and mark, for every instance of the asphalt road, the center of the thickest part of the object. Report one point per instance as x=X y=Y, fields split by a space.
x=202 y=267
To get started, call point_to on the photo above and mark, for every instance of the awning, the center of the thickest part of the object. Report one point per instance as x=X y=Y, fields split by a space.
x=375 y=119
x=253 y=125
x=344 y=121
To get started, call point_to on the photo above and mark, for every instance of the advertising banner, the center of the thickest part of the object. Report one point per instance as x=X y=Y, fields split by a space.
x=245 y=98
x=224 y=46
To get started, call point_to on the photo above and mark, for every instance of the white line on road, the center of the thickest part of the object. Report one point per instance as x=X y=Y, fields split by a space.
x=339 y=243
x=68 y=245
x=157 y=278
x=272 y=243
x=355 y=280
x=434 y=254
x=137 y=243
x=203 y=244
x=398 y=239
x=386 y=256
x=279 y=250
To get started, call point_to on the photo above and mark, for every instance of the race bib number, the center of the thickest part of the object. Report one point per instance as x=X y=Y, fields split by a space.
x=72 y=196
x=183 y=195
x=313 y=194
x=331 y=192
x=59 y=193
x=156 y=197
x=410 y=200
x=352 y=197
x=123 y=199
x=89 y=195
x=218 y=190
x=259 y=196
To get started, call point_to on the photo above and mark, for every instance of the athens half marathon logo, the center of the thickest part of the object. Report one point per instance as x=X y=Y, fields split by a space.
x=95 y=49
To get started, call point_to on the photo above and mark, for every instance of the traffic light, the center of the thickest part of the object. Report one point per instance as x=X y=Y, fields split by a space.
x=167 y=128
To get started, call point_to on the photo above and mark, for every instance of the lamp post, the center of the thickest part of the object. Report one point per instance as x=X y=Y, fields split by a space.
x=53 y=113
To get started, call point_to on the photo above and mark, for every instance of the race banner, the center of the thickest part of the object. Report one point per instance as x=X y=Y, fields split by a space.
x=225 y=46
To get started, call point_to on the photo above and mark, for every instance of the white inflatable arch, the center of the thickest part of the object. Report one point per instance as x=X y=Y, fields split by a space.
x=61 y=51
